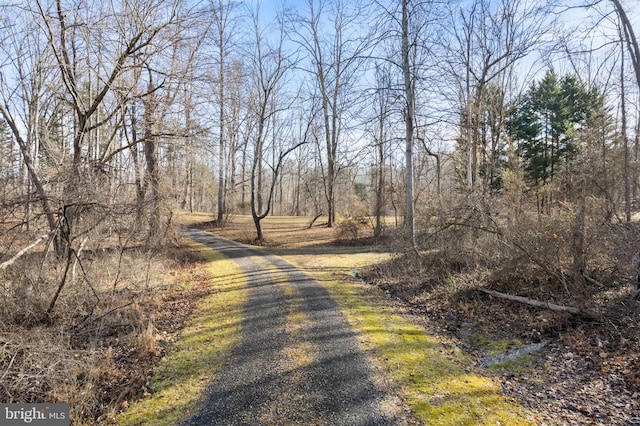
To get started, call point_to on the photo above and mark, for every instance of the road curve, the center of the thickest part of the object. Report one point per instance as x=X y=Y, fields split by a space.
x=298 y=361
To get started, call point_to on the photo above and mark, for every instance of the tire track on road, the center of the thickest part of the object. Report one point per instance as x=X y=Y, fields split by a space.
x=333 y=386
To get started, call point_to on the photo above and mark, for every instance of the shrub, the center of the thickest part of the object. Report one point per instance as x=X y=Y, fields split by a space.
x=351 y=229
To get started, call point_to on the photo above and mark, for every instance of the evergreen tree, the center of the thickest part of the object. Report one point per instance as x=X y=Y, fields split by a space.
x=547 y=123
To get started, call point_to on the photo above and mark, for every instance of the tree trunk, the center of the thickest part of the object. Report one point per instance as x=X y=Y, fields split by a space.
x=152 y=175
x=625 y=140
x=221 y=171
x=579 y=261
x=630 y=38
x=409 y=116
x=380 y=184
x=470 y=143
x=243 y=175
x=34 y=180
x=636 y=154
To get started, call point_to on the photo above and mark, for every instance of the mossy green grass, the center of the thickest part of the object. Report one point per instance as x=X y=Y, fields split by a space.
x=179 y=381
x=440 y=389
x=438 y=383
x=436 y=380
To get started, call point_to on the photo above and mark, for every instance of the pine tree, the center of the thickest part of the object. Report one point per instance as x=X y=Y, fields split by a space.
x=547 y=125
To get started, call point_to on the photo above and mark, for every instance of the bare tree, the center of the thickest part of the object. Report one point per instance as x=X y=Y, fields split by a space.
x=269 y=63
x=237 y=117
x=409 y=93
x=335 y=52
x=137 y=34
x=629 y=38
x=486 y=39
x=383 y=106
x=408 y=47
x=25 y=101
x=625 y=139
x=74 y=80
x=599 y=31
x=222 y=14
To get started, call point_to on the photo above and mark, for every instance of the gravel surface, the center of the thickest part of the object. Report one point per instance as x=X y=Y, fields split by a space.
x=309 y=371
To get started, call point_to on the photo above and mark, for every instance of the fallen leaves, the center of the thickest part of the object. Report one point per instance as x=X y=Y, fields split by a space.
x=589 y=373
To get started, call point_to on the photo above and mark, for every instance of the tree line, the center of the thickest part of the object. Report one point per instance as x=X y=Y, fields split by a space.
x=114 y=115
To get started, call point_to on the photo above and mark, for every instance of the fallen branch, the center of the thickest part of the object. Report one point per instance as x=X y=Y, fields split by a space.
x=593 y=281
x=5 y=265
x=85 y=321
x=538 y=303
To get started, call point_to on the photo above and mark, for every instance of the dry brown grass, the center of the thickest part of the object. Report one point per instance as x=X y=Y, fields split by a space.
x=94 y=348
x=413 y=359
x=280 y=231
x=505 y=245
x=288 y=232
x=111 y=322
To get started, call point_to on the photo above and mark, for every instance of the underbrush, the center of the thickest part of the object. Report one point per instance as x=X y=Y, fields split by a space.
x=469 y=246
x=520 y=251
x=91 y=345
x=178 y=382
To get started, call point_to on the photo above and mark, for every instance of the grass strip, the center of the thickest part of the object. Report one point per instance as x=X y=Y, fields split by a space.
x=179 y=381
x=439 y=388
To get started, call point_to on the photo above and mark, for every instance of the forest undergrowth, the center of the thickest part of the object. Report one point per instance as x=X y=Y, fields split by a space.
x=118 y=311
x=576 y=356
x=575 y=359
x=123 y=306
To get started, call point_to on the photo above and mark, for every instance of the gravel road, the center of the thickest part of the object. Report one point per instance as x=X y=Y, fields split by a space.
x=298 y=361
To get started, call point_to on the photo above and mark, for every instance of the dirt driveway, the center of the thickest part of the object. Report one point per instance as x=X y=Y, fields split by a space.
x=298 y=361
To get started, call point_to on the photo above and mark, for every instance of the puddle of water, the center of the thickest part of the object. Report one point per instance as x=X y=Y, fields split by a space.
x=354 y=274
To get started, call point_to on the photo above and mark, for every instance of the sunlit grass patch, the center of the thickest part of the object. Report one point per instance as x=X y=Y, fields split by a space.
x=341 y=259
x=179 y=381
x=191 y=218
x=285 y=232
x=435 y=378
x=440 y=389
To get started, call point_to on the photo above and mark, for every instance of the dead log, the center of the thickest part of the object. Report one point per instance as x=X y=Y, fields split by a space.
x=539 y=304
x=6 y=264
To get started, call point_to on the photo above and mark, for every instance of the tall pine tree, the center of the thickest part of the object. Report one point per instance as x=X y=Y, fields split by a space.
x=547 y=123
